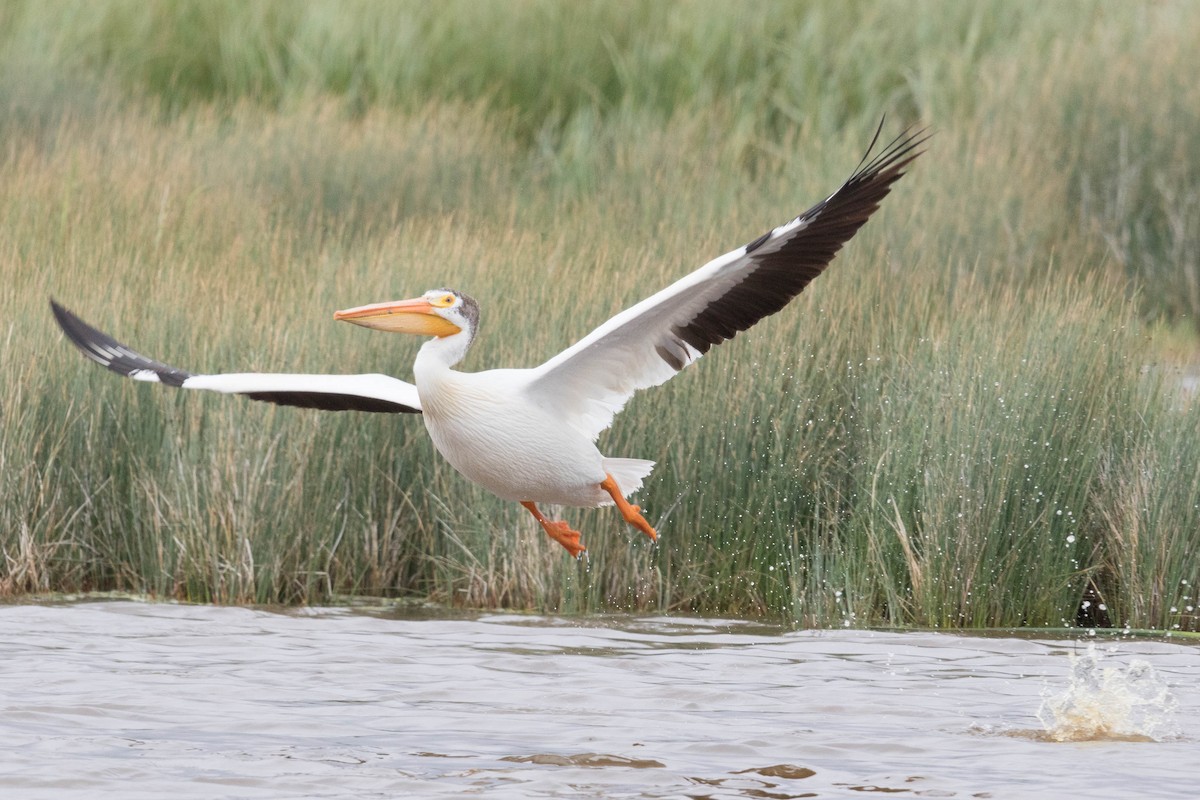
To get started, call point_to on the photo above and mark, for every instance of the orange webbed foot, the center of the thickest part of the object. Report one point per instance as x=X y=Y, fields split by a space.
x=631 y=513
x=562 y=533
x=559 y=531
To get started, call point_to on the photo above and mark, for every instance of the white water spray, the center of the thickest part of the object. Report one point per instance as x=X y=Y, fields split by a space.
x=1130 y=703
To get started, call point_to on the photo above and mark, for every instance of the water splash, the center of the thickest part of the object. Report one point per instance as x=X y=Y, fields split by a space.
x=1109 y=703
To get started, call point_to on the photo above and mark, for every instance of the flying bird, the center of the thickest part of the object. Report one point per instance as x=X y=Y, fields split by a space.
x=529 y=435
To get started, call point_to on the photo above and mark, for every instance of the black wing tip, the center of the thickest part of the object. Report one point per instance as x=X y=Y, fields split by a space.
x=895 y=155
x=782 y=272
x=71 y=325
x=82 y=335
x=108 y=352
x=872 y=179
x=884 y=169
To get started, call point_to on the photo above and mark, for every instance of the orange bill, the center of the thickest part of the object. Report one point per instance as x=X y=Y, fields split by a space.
x=416 y=316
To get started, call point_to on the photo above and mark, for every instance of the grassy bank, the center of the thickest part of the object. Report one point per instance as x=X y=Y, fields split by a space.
x=972 y=418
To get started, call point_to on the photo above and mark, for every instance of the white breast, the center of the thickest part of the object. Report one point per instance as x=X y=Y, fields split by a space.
x=488 y=428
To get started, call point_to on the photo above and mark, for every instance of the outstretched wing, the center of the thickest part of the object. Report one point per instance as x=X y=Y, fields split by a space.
x=328 y=392
x=647 y=344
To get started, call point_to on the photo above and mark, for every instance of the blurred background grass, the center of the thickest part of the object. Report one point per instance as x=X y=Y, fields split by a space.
x=978 y=416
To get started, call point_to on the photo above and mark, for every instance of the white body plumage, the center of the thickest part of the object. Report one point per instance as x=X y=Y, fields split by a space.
x=493 y=430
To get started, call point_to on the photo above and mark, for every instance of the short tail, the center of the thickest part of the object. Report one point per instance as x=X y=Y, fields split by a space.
x=628 y=473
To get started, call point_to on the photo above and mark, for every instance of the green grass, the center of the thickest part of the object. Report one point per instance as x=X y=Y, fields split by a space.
x=971 y=419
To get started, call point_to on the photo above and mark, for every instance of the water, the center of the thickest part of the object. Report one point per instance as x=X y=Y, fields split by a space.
x=135 y=700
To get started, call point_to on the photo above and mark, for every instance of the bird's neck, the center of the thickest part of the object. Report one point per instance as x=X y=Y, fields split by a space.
x=437 y=356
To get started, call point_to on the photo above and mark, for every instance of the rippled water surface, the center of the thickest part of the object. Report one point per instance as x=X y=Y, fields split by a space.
x=134 y=700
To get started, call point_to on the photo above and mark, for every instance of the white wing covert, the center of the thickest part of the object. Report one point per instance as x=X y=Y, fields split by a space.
x=380 y=393
x=647 y=344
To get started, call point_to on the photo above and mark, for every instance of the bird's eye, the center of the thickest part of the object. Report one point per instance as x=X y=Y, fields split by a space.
x=446 y=301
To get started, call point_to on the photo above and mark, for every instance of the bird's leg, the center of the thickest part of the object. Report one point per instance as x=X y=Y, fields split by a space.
x=559 y=531
x=631 y=513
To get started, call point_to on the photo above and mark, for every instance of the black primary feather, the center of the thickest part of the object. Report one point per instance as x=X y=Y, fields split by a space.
x=781 y=271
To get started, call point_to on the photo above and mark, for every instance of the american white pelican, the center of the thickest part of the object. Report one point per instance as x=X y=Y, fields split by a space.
x=528 y=435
